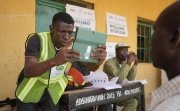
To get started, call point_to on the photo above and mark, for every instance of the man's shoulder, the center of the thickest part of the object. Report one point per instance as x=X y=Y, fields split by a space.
x=111 y=59
x=32 y=45
x=170 y=104
x=33 y=37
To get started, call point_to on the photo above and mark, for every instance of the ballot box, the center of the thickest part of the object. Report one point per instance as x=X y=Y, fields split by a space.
x=89 y=97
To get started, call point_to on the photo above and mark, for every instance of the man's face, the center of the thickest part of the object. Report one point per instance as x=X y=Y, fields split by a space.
x=61 y=33
x=121 y=53
x=160 y=46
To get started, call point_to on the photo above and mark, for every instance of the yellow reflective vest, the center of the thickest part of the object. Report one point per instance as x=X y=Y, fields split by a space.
x=32 y=89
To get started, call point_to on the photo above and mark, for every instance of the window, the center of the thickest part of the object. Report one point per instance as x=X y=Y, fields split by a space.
x=45 y=9
x=144 y=32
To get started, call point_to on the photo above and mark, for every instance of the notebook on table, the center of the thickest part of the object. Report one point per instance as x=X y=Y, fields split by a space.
x=86 y=41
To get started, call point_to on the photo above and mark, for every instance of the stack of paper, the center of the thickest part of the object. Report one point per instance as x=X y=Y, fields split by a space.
x=99 y=79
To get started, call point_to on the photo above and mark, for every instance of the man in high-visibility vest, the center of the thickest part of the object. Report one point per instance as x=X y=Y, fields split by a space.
x=43 y=80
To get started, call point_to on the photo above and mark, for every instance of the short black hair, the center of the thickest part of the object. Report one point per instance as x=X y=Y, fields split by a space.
x=62 y=17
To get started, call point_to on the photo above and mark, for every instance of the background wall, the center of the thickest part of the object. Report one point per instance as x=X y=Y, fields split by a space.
x=132 y=9
x=17 y=20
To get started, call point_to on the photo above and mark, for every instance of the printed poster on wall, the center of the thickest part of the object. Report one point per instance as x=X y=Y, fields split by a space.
x=83 y=17
x=116 y=25
x=110 y=48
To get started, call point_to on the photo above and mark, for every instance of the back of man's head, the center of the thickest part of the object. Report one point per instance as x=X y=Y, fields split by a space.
x=169 y=19
x=62 y=17
x=166 y=40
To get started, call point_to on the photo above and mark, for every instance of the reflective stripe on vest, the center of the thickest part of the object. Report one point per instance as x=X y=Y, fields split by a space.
x=32 y=89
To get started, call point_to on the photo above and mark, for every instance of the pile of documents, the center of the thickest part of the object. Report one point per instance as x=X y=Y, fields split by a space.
x=99 y=79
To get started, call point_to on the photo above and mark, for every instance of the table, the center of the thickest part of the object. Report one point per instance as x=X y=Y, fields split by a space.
x=85 y=98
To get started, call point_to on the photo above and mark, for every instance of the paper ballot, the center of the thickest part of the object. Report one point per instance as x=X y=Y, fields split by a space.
x=86 y=41
x=100 y=80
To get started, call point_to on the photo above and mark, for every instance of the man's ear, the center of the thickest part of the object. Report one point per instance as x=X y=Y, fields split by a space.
x=175 y=40
x=50 y=28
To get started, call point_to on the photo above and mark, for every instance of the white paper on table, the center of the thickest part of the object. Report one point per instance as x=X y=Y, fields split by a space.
x=141 y=81
x=99 y=79
x=114 y=80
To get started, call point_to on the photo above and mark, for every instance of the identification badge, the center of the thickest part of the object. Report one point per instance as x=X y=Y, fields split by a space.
x=57 y=71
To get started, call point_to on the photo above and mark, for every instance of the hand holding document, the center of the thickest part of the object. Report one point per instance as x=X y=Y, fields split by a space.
x=99 y=79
